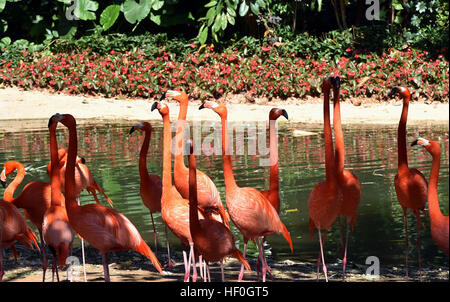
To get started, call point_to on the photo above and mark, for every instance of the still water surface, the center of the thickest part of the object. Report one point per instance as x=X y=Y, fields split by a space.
x=371 y=154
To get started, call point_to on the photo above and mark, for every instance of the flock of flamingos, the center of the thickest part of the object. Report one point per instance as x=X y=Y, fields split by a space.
x=191 y=207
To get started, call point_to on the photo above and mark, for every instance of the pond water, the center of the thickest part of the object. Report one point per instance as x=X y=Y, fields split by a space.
x=371 y=154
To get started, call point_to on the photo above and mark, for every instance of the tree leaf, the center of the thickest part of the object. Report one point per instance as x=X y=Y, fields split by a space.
x=224 y=21
x=135 y=12
x=85 y=9
x=203 y=34
x=254 y=8
x=243 y=9
x=109 y=16
x=210 y=4
x=155 y=18
x=157 y=4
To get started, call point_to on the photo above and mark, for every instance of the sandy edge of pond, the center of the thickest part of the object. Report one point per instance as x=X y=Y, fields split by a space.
x=129 y=266
x=21 y=110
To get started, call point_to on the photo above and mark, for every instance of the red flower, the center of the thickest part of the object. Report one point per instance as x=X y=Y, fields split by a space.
x=266 y=49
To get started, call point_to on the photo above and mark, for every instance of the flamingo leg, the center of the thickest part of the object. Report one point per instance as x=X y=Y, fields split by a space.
x=207 y=271
x=418 y=249
x=406 y=242
x=194 y=264
x=154 y=234
x=241 y=273
x=82 y=248
x=186 y=266
x=105 y=267
x=221 y=270
x=344 y=261
x=261 y=256
x=44 y=257
x=200 y=262
x=324 y=267
x=169 y=264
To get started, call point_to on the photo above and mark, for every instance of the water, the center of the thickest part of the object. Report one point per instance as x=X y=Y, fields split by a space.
x=371 y=154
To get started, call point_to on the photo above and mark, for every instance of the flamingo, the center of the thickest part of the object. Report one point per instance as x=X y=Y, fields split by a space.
x=35 y=200
x=208 y=195
x=174 y=208
x=325 y=199
x=83 y=181
x=410 y=184
x=439 y=223
x=212 y=239
x=83 y=177
x=273 y=194
x=248 y=208
x=13 y=227
x=347 y=181
x=104 y=228
x=58 y=234
x=151 y=184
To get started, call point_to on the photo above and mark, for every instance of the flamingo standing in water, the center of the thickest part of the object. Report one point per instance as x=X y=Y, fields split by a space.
x=249 y=209
x=58 y=234
x=273 y=194
x=212 y=239
x=208 y=195
x=325 y=199
x=35 y=200
x=439 y=223
x=13 y=227
x=105 y=229
x=174 y=208
x=348 y=182
x=410 y=184
x=151 y=184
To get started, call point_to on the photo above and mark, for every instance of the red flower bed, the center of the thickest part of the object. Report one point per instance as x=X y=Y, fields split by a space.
x=211 y=74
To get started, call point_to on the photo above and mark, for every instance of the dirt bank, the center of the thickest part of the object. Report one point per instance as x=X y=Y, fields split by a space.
x=27 y=105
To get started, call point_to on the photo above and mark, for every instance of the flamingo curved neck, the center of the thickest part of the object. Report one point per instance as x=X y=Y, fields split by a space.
x=274 y=172
x=330 y=172
x=167 y=164
x=55 y=183
x=401 y=139
x=181 y=125
x=9 y=192
x=230 y=182
x=69 y=188
x=433 y=200
x=143 y=171
x=338 y=134
x=194 y=223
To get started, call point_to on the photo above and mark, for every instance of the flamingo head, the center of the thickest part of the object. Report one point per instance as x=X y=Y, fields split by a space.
x=179 y=96
x=402 y=91
x=335 y=81
x=143 y=126
x=431 y=146
x=276 y=113
x=189 y=145
x=8 y=168
x=220 y=109
x=66 y=119
x=162 y=108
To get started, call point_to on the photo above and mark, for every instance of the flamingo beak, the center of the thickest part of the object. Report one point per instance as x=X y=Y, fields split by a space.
x=3 y=183
x=83 y=160
x=202 y=106
x=163 y=96
x=285 y=114
x=393 y=92
x=414 y=142
x=132 y=128
x=336 y=82
x=155 y=105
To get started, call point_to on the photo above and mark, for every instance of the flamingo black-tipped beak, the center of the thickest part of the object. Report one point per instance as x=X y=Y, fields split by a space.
x=285 y=114
x=3 y=183
x=154 y=106
x=414 y=142
x=202 y=106
x=393 y=92
x=336 y=82
x=132 y=128
x=83 y=160
x=163 y=96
